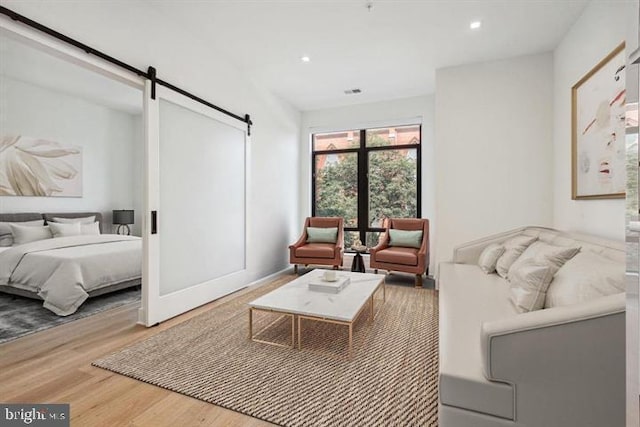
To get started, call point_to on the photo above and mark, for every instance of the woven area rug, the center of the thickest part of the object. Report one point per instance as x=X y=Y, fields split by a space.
x=20 y=316
x=391 y=380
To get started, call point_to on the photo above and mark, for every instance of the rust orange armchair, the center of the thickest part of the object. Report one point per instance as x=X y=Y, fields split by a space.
x=405 y=256
x=319 y=251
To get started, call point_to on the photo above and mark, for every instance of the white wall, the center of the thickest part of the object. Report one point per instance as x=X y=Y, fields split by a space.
x=493 y=148
x=138 y=174
x=107 y=137
x=371 y=115
x=139 y=34
x=600 y=28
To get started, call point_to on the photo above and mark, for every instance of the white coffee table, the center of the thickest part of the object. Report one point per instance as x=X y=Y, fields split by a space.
x=298 y=302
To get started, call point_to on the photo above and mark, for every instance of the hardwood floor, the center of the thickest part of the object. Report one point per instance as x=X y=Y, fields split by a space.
x=54 y=366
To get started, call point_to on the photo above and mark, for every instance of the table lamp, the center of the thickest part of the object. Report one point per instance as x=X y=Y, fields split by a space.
x=123 y=218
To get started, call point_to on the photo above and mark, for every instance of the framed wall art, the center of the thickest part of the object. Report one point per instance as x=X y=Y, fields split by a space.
x=598 y=130
x=39 y=167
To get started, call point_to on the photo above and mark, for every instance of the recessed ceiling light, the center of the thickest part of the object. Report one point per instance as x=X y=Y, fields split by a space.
x=305 y=59
x=474 y=25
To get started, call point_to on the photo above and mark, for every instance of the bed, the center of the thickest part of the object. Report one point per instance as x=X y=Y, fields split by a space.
x=65 y=271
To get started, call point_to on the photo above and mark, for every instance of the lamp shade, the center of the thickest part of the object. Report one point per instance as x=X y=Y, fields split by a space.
x=123 y=216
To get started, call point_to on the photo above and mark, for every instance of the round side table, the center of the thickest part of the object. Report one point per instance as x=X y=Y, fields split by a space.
x=358 y=262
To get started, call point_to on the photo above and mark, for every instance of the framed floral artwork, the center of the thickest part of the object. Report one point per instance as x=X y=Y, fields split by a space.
x=598 y=130
x=40 y=168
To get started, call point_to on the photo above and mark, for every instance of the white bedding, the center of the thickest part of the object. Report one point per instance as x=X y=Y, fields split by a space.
x=63 y=270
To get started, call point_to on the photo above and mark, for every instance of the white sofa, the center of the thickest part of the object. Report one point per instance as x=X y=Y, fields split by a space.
x=560 y=366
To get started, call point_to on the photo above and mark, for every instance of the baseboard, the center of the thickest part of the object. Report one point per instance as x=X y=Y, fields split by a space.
x=268 y=278
x=272 y=276
x=141 y=311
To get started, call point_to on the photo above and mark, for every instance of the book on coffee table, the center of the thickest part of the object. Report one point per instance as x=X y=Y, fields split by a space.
x=321 y=285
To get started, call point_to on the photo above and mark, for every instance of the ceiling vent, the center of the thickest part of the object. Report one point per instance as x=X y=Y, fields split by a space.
x=352 y=91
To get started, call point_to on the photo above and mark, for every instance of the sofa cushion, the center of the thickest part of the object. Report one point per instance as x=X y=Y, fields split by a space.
x=585 y=277
x=544 y=253
x=467 y=298
x=316 y=250
x=514 y=247
x=398 y=255
x=322 y=235
x=405 y=238
x=489 y=257
x=529 y=283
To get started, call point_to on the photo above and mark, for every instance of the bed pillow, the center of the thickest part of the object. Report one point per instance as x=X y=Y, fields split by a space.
x=90 y=229
x=405 y=238
x=585 y=277
x=84 y=220
x=25 y=234
x=322 y=235
x=513 y=248
x=6 y=237
x=489 y=257
x=529 y=283
x=65 y=230
x=552 y=255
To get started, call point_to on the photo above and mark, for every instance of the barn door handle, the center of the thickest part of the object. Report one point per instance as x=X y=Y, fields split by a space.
x=154 y=222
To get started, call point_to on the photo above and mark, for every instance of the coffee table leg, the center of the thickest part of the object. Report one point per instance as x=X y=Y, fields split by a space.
x=384 y=291
x=299 y=333
x=250 y=323
x=350 y=340
x=371 y=312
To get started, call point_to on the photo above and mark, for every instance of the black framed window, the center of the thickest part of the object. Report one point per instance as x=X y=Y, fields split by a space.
x=365 y=176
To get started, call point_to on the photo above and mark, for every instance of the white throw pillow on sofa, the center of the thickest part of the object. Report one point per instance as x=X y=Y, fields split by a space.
x=585 y=277
x=529 y=284
x=555 y=256
x=489 y=257
x=514 y=247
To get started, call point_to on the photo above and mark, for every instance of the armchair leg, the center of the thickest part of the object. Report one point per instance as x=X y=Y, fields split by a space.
x=418 y=280
x=335 y=267
x=295 y=268
x=375 y=271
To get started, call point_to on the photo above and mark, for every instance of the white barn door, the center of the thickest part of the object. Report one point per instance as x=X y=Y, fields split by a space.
x=196 y=196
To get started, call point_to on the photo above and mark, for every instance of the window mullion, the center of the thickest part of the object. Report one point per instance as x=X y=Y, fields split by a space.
x=363 y=187
x=313 y=184
x=419 y=176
